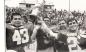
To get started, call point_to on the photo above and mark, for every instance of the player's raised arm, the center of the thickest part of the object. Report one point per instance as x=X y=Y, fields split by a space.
x=49 y=31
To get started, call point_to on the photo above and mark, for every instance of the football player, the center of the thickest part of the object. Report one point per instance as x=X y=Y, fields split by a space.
x=17 y=34
x=41 y=31
x=72 y=35
x=61 y=42
x=42 y=34
x=44 y=37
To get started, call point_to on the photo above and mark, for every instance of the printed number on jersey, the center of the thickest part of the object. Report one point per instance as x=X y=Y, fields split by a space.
x=20 y=36
x=73 y=44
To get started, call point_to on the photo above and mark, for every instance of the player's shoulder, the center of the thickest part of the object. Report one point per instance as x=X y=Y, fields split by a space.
x=9 y=26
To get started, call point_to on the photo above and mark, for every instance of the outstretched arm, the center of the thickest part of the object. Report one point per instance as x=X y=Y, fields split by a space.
x=49 y=31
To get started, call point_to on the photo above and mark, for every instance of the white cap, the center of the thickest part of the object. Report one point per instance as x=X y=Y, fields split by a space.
x=36 y=9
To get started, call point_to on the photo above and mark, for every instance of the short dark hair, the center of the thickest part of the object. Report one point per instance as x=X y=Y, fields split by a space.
x=13 y=14
x=70 y=20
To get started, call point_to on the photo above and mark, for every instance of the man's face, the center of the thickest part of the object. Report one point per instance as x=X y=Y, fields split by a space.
x=46 y=19
x=17 y=20
x=62 y=25
x=73 y=25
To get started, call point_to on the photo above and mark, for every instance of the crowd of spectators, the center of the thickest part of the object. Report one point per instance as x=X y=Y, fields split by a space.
x=51 y=17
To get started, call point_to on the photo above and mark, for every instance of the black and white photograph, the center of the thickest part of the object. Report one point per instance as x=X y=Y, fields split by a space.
x=45 y=25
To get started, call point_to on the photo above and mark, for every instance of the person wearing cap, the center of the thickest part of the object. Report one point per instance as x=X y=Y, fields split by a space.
x=41 y=33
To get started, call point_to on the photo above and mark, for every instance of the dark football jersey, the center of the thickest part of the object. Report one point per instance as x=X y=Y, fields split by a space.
x=41 y=38
x=17 y=37
x=61 y=43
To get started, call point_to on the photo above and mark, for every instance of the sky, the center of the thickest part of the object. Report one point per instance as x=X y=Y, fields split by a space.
x=78 y=4
x=59 y=4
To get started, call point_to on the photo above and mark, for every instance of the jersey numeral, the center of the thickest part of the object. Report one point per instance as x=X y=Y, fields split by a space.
x=20 y=36
x=73 y=45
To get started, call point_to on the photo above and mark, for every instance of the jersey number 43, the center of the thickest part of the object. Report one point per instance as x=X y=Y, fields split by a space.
x=20 y=36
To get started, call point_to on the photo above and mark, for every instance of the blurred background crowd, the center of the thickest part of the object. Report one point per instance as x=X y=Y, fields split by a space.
x=51 y=16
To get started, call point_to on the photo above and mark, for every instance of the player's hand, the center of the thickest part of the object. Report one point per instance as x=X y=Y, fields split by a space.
x=9 y=26
x=46 y=41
